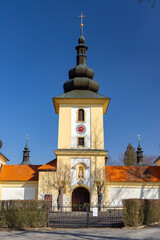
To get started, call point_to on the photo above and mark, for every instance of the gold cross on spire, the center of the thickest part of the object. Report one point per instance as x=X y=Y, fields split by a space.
x=82 y=16
x=139 y=138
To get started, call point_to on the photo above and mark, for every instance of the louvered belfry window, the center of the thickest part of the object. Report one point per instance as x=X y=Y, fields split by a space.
x=80 y=115
x=81 y=141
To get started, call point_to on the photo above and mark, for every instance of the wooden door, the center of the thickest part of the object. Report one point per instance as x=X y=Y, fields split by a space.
x=48 y=197
x=80 y=198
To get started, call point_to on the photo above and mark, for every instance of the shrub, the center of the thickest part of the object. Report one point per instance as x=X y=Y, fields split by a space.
x=133 y=212
x=141 y=211
x=23 y=213
x=151 y=211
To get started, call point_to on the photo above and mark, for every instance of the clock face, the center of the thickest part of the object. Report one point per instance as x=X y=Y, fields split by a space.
x=80 y=129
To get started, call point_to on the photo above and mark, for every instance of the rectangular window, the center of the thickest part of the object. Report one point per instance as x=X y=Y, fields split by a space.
x=81 y=141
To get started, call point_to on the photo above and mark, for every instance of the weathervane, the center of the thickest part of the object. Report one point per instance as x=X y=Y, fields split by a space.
x=82 y=16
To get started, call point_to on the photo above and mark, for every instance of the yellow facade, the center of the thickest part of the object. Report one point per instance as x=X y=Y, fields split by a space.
x=65 y=153
x=48 y=179
x=64 y=130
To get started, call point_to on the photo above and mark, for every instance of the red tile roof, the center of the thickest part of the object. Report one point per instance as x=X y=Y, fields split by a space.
x=19 y=173
x=52 y=165
x=132 y=173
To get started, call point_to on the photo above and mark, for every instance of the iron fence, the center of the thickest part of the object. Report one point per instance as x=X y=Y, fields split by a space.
x=67 y=217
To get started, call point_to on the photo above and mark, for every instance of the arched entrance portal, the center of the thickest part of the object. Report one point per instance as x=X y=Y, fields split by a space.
x=80 y=198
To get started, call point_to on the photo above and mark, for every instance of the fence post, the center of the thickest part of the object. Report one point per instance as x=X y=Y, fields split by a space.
x=42 y=213
x=48 y=214
x=87 y=210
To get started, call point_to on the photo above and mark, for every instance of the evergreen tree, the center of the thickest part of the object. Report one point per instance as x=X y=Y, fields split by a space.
x=130 y=157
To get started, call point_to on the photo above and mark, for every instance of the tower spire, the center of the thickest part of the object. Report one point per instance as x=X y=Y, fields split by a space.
x=139 y=153
x=26 y=152
x=81 y=76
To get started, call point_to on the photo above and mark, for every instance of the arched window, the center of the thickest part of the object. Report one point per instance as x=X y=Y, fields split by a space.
x=80 y=115
x=80 y=172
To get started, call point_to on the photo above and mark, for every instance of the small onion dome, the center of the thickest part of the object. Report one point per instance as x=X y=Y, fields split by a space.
x=139 y=147
x=81 y=40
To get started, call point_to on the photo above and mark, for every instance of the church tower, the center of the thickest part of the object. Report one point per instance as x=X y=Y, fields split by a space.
x=80 y=150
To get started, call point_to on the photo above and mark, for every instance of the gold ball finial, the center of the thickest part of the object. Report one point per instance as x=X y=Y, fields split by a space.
x=26 y=138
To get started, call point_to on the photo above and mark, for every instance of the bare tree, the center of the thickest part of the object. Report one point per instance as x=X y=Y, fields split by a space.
x=98 y=183
x=151 y=2
x=98 y=176
x=149 y=160
x=113 y=162
x=59 y=180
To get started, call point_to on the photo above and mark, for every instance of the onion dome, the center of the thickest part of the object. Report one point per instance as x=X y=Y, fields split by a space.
x=81 y=76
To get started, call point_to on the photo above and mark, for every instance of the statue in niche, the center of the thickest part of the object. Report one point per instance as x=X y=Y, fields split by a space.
x=80 y=172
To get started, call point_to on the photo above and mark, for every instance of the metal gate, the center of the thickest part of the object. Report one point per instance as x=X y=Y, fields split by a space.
x=64 y=217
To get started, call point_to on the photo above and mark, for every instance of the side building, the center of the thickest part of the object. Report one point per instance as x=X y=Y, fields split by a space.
x=19 y=181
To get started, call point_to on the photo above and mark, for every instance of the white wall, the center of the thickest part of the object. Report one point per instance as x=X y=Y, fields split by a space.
x=21 y=193
x=74 y=124
x=117 y=194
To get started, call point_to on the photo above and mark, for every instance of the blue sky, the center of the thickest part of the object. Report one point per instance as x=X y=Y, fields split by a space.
x=37 y=44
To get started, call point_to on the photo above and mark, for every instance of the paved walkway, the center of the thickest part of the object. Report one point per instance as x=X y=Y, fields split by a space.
x=84 y=234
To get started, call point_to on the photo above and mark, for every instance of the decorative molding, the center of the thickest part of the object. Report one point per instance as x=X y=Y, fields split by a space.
x=81 y=152
x=80 y=164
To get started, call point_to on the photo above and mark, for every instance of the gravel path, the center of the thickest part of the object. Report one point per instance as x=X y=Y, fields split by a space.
x=152 y=233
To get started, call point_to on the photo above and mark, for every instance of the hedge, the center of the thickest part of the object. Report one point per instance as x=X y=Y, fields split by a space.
x=23 y=213
x=139 y=212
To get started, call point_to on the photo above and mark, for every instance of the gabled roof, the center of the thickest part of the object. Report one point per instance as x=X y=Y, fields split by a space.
x=4 y=157
x=81 y=94
x=19 y=173
x=52 y=165
x=132 y=173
